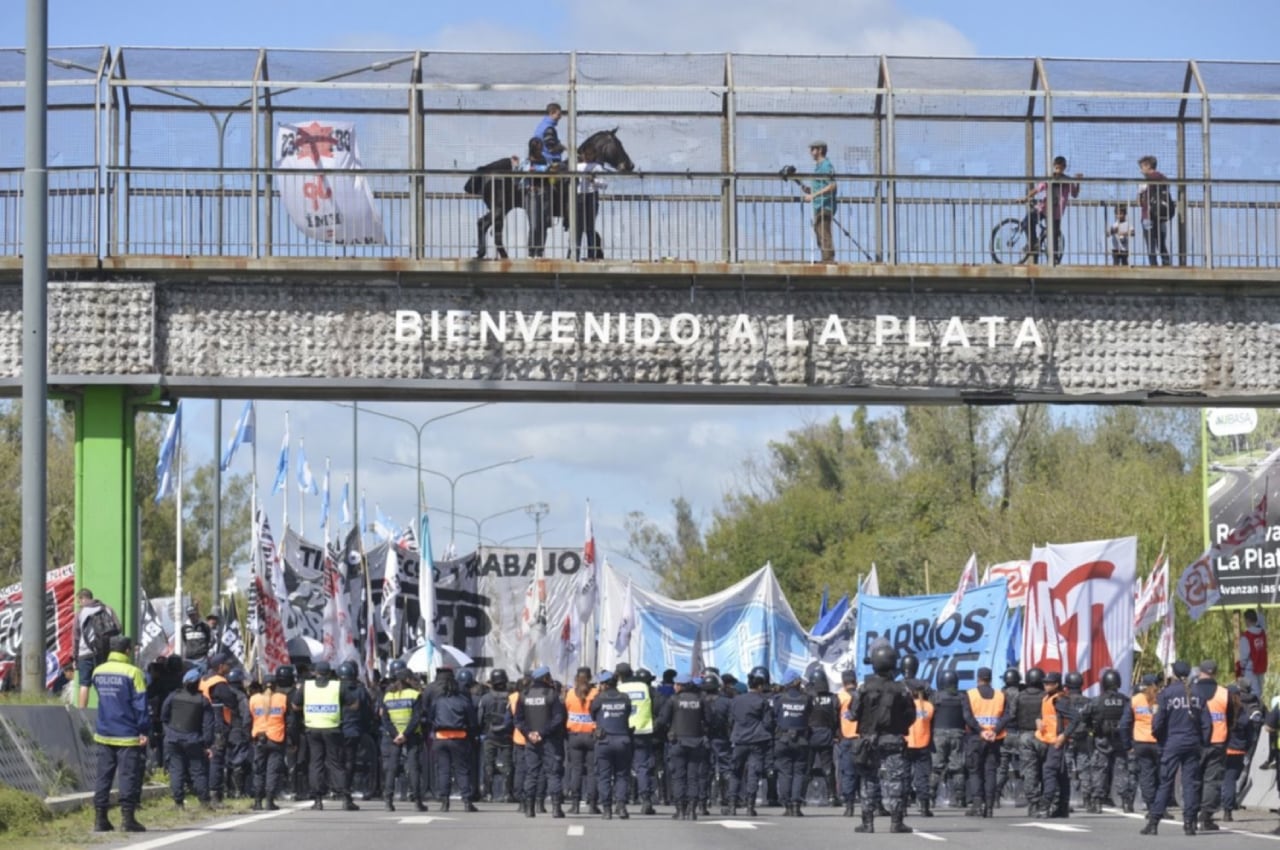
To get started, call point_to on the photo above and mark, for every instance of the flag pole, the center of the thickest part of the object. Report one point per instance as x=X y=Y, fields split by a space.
x=302 y=494
x=177 y=582
x=258 y=666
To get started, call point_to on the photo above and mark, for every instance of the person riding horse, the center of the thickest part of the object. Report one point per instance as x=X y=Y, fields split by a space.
x=502 y=191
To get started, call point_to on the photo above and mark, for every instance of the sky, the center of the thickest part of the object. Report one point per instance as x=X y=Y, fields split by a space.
x=634 y=457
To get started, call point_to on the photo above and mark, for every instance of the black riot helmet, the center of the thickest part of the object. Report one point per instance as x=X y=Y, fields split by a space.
x=711 y=683
x=1073 y=681
x=758 y=677
x=398 y=670
x=1012 y=678
x=949 y=681
x=644 y=675
x=498 y=679
x=1035 y=677
x=466 y=678
x=818 y=681
x=884 y=659
x=1110 y=680
x=347 y=671
x=910 y=666
x=285 y=676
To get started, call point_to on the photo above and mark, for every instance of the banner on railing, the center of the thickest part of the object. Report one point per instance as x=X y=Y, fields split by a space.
x=326 y=197
x=59 y=614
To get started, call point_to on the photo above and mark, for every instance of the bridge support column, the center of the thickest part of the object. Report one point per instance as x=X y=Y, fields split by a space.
x=106 y=546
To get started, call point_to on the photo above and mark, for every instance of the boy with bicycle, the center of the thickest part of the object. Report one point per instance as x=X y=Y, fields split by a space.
x=1058 y=194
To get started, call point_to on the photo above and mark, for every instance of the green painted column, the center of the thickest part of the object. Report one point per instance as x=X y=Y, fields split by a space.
x=106 y=524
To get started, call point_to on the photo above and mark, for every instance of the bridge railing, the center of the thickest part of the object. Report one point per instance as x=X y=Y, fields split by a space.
x=642 y=217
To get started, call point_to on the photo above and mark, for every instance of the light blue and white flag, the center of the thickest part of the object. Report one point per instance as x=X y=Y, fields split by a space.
x=345 y=503
x=306 y=481
x=245 y=432
x=282 y=464
x=169 y=448
x=324 y=496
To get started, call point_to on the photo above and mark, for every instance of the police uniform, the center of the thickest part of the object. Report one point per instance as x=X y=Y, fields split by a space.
x=686 y=718
x=642 y=729
x=240 y=740
x=1079 y=750
x=1058 y=725
x=949 y=741
x=496 y=721
x=751 y=736
x=918 y=752
x=357 y=726
x=885 y=711
x=716 y=778
x=216 y=689
x=1213 y=758
x=188 y=723
x=269 y=710
x=320 y=700
x=453 y=721
x=121 y=724
x=402 y=739
x=1112 y=738
x=580 y=780
x=611 y=712
x=984 y=714
x=1009 y=764
x=846 y=697
x=1144 y=763
x=1182 y=726
x=540 y=717
x=1241 y=738
x=792 y=710
x=824 y=726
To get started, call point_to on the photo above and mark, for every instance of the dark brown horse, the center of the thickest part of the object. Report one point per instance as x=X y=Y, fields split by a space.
x=498 y=184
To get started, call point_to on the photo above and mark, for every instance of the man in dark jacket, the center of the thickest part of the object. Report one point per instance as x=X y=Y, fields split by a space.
x=121 y=734
x=792 y=709
x=540 y=717
x=885 y=711
x=751 y=736
x=496 y=726
x=1182 y=727
x=188 y=730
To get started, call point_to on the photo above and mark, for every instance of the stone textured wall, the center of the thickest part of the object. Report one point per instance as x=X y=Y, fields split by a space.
x=1221 y=345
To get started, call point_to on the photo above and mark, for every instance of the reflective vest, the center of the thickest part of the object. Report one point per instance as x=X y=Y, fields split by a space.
x=268 y=710
x=987 y=711
x=848 y=728
x=399 y=707
x=1048 y=731
x=579 y=711
x=517 y=737
x=206 y=688
x=321 y=705
x=1217 y=706
x=641 y=707
x=1143 y=713
x=921 y=732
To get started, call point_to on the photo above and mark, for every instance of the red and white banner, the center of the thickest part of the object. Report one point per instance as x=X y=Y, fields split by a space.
x=1198 y=586
x=325 y=195
x=1153 y=599
x=1015 y=575
x=1080 y=609
x=59 y=613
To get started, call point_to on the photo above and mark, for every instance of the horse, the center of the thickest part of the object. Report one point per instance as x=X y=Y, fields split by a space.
x=502 y=193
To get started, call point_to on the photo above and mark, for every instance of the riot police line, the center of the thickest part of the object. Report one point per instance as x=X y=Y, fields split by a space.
x=615 y=739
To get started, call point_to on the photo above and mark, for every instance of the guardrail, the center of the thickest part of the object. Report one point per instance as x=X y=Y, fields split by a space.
x=642 y=217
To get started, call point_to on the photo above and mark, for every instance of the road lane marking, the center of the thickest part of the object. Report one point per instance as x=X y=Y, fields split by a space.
x=1054 y=827
x=929 y=836
x=734 y=824
x=204 y=829
x=577 y=830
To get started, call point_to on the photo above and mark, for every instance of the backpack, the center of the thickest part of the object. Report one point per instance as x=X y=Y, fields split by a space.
x=99 y=628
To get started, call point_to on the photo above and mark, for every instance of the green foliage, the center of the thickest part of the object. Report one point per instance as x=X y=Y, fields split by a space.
x=21 y=813
x=59 y=480
x=916 y=490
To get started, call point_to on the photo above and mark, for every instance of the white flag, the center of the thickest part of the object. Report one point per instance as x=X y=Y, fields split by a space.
x=586 y=586
x=323 y=191
x=871 y=584
x=391 y=596
x=1153 y=597
x=622 y=640
x=1198 y=586
x=968 y=579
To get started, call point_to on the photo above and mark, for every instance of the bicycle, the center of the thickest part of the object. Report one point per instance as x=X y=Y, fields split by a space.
x=1010 y=245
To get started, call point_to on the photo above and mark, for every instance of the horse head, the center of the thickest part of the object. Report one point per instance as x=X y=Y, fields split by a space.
x=605 y=147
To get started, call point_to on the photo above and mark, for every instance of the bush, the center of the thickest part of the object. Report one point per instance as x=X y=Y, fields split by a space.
x=20 y=812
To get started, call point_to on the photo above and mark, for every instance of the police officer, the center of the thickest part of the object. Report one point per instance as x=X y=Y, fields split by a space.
x=720 y=751
x=1181 y=726
x=1213 y=759
x=518 y=742
x=751 y=736
x=270 y=710
x=540 y=717
x=611 y=712
x=453 y=722
x=1079 y=744
x=121 y=734
x=986 y=717
x=824 y=726
x=661 y=781
x=885 y=711
x=1009 y=752
x=240 y=738
x=1109 y=719
x=919 y=739
x=1058 y=725
x=226 y=704
x=846 y=698
x=295 y=765
x=643 y=712
x=402 y=735
x=791 y=715
x=686 y=717
x=1241 y=738
x=1031 y=750
x=357 y=724
x=320 y=702
x=1144 y=756
x=188 y=723
x=197 y=638
x=495 y=721
x=948 y=738
x=580 y=743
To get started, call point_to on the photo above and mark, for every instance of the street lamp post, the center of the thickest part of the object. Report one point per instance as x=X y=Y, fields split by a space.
x=453 y=486
x=479 y=523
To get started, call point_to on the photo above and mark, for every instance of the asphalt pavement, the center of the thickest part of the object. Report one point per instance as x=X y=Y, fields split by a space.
x=498 y=825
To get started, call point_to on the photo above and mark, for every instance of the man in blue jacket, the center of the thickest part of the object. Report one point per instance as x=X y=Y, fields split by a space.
x=121 y=734
x=545 y=132
x=1182 y=727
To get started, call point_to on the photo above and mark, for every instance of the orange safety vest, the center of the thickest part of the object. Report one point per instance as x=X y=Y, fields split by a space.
x=450 y=734
x=579 y=711
x=206 y=688
x=1048 y=731
x=517 y=737
x=848 y=728
x=987 y=711
x=1218 y=714
x=268 y=710
x=921 y=732
x=1143 y=714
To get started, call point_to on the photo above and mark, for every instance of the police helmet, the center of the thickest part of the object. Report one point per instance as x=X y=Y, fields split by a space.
x=1012 y=678
x=322 y=670
x=285 y=675
x=1110 y=680
x=398 y=669
x=498 y=678
x=884 y=659
x=236 y=676
x=623 y=670
x=644 y=675
x=948 y=680
x=757 y=677
x=1035 y=677
x=910 y=666
x=348 y=670
x=818 y=680
x=711 y=682
x=1073 y=681
x=465 y=678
